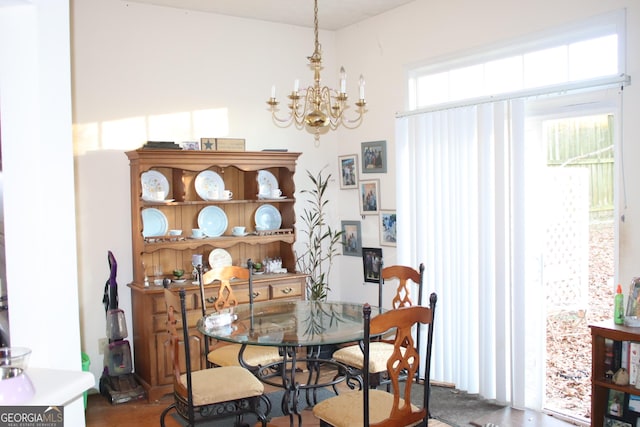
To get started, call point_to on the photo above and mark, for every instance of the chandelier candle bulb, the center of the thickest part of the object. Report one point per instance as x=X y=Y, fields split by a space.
x=273 y=91
x=343 y=80
x=296 y=85
x=361 y=86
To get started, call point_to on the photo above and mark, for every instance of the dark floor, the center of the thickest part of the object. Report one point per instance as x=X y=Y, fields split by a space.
x=447 y=404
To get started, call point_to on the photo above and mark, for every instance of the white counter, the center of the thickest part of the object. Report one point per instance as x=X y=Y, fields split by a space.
x=57 y=387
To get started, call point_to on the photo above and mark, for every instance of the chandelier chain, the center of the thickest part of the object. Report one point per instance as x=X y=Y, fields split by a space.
x=315 y=26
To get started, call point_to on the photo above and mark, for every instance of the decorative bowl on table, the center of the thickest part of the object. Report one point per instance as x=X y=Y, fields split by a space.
x=219 y=320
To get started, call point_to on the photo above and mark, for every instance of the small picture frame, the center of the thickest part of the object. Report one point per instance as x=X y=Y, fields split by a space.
x=388 y=230
x=348 y=171
x=351 y=238
x=633 y=301
x=612 y=422
x=371 y=262
x=190 y=145
x=370 y=197
x=615 y=403
x=207 y=144
x=634 y=403
x=374 y=157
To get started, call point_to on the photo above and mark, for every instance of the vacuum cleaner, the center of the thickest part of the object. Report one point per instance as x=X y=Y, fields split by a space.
x=117 y=383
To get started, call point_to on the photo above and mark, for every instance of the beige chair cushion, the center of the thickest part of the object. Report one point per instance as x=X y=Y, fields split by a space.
x=254 y=355
x=346 y=409
x=379 y=353
x=216 y=385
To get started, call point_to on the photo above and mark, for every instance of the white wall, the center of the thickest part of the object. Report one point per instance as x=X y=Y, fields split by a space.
x=137 y=67
x=39 y=200
x=424 y=32
x=146 y=73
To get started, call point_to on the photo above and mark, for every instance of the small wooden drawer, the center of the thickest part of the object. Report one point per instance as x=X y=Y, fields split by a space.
x=160 y=320
x=260 y=293
x=286 y=290
x=191 y=300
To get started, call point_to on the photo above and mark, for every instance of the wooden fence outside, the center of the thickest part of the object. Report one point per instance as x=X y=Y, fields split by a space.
x=586 y=142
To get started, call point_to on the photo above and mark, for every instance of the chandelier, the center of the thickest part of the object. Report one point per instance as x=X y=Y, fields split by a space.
x=319 y=108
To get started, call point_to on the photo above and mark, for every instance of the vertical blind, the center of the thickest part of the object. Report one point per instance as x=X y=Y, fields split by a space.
x=468 y=207
x=454 y=214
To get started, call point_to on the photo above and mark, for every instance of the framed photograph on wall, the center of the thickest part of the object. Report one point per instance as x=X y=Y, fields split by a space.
x=348 y=171
x=388 y=228
x=371 y=261
x=370 y=197
x=351 y=238
x=374 y=157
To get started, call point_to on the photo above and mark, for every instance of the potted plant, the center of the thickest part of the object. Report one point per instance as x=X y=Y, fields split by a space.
x=320 y=241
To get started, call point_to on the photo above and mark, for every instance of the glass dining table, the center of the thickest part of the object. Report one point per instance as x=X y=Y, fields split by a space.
x=300 y=329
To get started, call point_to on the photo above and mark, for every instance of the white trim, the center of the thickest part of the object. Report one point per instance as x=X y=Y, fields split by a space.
x=609 y=23
x=593 y=84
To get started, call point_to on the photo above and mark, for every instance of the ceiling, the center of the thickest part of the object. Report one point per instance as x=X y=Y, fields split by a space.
x=332 y=14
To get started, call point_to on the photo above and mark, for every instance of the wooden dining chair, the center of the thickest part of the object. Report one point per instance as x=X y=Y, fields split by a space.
x=227 y=354
x=380 y=407
x=353 y=357
x=210 y=393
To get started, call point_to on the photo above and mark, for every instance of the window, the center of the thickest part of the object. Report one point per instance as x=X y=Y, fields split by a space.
x=585 y=52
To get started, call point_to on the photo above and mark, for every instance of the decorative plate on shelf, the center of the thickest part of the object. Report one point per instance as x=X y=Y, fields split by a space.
x=267 y=217
x=155 y=187
x=209 y=185
x=212 y=221
x=267 y=182
x=154 y=223
x=220 y=258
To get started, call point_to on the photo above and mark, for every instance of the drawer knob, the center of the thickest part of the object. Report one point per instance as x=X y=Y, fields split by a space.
x=256 y=294
x=211 y=300
x=287 y=290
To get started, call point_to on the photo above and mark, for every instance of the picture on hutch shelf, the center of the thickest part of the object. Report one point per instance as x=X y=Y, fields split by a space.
x=615 y=403
x=190 y=145
x=611 y=422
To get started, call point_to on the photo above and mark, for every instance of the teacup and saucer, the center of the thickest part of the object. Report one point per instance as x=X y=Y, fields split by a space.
x=239 y=231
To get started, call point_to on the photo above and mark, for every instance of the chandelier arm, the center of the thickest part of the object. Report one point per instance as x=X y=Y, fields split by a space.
x=353 y=123
x=274 y=115
x=283 y=124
